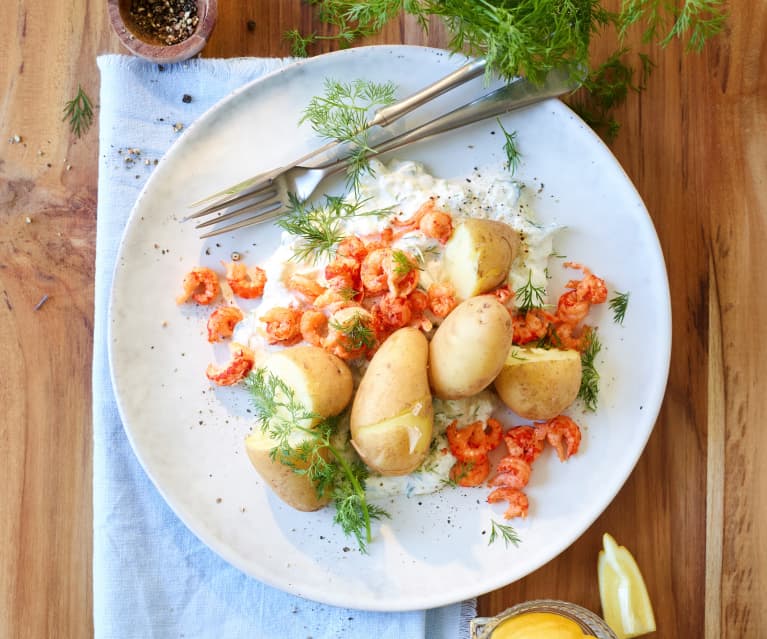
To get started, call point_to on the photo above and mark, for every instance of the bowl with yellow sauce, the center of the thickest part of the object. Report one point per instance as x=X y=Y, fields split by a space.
x=542 y=619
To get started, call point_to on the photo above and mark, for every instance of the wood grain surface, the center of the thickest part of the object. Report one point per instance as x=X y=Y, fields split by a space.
x=694 y=512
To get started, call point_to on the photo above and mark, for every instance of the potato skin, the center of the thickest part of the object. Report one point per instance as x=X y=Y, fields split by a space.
x=323 y=384
x=295 y=490
x=469 y=348
x=478 y=256
x=392 y=416
x=539 y=383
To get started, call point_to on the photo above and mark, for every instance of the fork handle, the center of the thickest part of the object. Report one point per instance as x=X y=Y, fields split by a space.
x=517 y=94
x=389 y=114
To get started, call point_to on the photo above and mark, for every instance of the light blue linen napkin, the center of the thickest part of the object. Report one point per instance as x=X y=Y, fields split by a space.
x=151 y=576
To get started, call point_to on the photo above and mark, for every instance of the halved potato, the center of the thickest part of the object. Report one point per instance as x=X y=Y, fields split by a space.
x=392 y=416
x=478 y=256
x=294 y=489
x=539 y=383
x=322 y=384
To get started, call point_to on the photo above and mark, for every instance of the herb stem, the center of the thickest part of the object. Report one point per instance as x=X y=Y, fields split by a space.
x=357 y=488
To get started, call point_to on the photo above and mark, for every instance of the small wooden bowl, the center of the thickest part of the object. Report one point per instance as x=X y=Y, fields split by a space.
x=144 y=46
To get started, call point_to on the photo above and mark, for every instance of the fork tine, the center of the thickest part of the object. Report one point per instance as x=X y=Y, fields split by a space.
x=262 y=190
x=251 y=184
x=263 y=214
x=269 y=198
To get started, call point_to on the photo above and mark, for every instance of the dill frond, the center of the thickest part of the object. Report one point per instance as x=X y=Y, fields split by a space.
x=503 y=531
x=404 y=263
x=513 y=156
x=356 y=331
x=529 y=295
x=280 y=415
x=319 y=227
x=589 y=390
x=341 y=114
x=618 y=305
x=79 y=111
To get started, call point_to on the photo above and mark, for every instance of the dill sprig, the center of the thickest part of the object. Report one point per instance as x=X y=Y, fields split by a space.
x=341 y=114
x=79 y=110
x=357 y=331
x=589 y=390
x=529 y=295
x=404 y=263
x=319 y=227
x=503 y=531
x=279 y=414
x=351 y=21
x=618 y=304
x=513 y=156
x=695 y=20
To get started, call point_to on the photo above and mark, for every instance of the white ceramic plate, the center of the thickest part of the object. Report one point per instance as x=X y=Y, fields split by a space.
x=189 y=436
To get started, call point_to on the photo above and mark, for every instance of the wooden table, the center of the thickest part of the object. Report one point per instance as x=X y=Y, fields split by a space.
x=694 y=512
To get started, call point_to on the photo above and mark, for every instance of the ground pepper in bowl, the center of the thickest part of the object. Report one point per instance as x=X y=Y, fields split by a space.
x=164 y=21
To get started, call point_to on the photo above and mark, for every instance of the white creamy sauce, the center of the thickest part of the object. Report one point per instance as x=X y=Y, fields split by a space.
x=402 y=187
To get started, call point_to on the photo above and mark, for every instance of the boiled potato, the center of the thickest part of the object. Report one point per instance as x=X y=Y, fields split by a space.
x=392 y=416
x=323 y=385
x=294 y=489
x=478 y=256
x=539 y=383
x=321 y=382
x=469 y=348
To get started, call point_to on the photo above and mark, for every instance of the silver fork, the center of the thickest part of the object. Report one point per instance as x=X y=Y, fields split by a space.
x=270 y=198
x=381 y=118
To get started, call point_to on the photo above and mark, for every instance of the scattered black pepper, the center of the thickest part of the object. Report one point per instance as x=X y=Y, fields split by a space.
x=165 y=21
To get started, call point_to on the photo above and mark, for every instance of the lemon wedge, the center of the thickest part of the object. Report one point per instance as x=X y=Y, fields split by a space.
x=626 y=605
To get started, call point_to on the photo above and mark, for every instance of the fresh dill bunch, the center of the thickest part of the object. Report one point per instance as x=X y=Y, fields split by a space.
x=79 y=110
x=356 y=331
x=532 y=37
x=522 y=37
x=529 y=295
x=589 y=390
x=618 y=305
x=279 y=414
x=513 y=156
x=503 y=531
x=341 y=114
